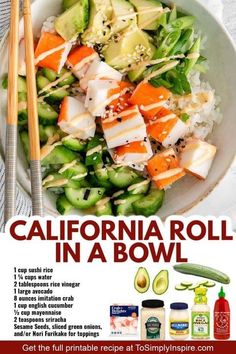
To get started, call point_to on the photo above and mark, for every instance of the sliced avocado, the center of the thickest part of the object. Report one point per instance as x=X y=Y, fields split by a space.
x=148 y=14
x=142 y=280
x=98 y=32
x=161 y=282
x=73 y=21
x=66 y=4
x=133 y=47
x=122 y=8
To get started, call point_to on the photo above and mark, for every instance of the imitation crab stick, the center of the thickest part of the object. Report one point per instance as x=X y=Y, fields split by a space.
x=133 y=153
x=167 y=128
x=150 y=99
x=100 y=94
x=80 y=59
x=74 y=119
x=197 y=157
x=124 y=90
x=52 y=51
x=99 y=70
x=124 y=128
x=164 y=168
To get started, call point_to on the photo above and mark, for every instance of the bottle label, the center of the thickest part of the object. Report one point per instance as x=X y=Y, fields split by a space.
x=222 y=323
x=200 y=324
x=179 y=327
x=153 y=328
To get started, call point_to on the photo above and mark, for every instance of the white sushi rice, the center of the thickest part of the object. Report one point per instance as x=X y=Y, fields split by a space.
x=49 y=25
x=202 y=105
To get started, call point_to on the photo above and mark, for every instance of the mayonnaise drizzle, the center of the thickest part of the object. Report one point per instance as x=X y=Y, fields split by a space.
x=55 y=83
x=162 y=70
x=168 y=174
x=85 y=61
x=137 y=185
x=152 y=106
x=67 y=166
x=97 y=148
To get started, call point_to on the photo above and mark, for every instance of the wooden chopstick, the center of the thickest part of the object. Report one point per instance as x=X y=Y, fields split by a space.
x=12 y=113
x=33 y=127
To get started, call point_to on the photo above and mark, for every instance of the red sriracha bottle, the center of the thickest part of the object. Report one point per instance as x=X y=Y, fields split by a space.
x=221 y=317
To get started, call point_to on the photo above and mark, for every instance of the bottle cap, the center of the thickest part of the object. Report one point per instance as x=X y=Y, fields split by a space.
x=179 y=306
x=221 y=294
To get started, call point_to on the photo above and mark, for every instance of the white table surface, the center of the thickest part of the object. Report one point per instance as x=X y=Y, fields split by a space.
x=222 y=201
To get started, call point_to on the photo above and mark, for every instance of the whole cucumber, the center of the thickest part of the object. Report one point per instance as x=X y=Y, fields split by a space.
x=202 y=271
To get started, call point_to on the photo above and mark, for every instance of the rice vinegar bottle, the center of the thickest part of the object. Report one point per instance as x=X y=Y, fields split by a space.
x=200 y=315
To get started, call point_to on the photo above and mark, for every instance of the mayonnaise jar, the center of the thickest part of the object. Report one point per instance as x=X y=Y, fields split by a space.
x=179 y=321
x=153 y=320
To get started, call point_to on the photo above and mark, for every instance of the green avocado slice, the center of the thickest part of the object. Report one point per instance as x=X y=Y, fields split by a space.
x=161 y=282
x=142 y=280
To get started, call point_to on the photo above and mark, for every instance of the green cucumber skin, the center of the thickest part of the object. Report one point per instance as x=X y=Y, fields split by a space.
x=202 y=271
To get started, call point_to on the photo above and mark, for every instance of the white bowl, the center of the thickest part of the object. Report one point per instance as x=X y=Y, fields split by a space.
x=221 y=54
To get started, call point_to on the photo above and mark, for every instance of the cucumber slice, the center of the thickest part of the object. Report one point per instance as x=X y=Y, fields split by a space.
x=69 y=80
x=24 y=137
x=47 y=115
x=22 y=108
x=77 y=172
x=202 y=282
x=59 y=155
x=139 y=187
x=150 y=204
x=56 y=96
x=62 y=205
x=22 y=87
x=46 y=132
x=102 y=183
x=186 y=283
x=50 y=74
x=104 y=209
x=210 y=284
x=122 y=177
x=180 y=287
x=101 y=172
x=84 y=198
x=42 y=82
x=75 y=144
x=96 y=145
x=124 y=204
x=193 y=287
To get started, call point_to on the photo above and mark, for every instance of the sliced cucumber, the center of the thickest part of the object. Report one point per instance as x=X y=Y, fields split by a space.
x=186 y=283
x=84 y=198
x=150 y=204
x=24 y=137
x=180 y=287
x=210 y=284
x=77 y=172
x=124 y=204
x=75 y=144
x=22 y=87
x=50 y=74
x=101 y=183
x=59 y=155
x=202 y=282
x=140 y=186
x=69 y=80
x=56 y=96
x=94 y=151
x=22 y=108
x=41 y=81
x=63 y=205
x=104 y=209
x=122 y=177
x=47 y=131
x=193 y=287
x=47 y=115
